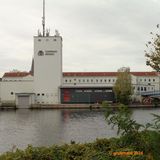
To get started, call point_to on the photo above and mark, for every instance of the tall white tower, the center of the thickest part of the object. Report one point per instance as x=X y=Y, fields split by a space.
x=47 y=66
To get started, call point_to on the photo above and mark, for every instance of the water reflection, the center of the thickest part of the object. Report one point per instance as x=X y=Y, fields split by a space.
x=47 y=127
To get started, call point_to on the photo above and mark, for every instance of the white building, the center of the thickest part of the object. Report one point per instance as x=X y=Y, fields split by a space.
x=46 y=84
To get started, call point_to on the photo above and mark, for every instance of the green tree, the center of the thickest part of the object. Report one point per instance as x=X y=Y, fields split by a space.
x=152 y=53
x=123 y=86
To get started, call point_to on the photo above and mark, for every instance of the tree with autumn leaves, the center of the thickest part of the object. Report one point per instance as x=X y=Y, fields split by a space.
x=152 y=53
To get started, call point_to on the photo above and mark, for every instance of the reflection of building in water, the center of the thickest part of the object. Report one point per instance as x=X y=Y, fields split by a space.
x=46 y=84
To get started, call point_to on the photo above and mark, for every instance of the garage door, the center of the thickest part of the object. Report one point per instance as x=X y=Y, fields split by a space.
x=23 y=102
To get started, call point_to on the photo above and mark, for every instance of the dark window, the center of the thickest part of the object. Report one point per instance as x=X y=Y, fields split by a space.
x=113 y=80
x=109 y=80
x=138 y=89
x=145 y=89
x=11 y=93
x=79 y=80
x=87 y=80
x=105 y=80
x=96 y=80
x=74 y=79
x=101 y=80
x=66 y=80
x=144 y=79
x=91 y=80
x=141 y=88
x=70 y=80
x=42 y=94
x=153 y=80
x=38 y=94
x=149 y=80
x=83 y=80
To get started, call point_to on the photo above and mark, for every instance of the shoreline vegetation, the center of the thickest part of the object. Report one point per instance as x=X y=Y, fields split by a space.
x=136 y=142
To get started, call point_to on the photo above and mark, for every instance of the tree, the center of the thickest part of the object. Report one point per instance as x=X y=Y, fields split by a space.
x=153 y=51
x=123 y=86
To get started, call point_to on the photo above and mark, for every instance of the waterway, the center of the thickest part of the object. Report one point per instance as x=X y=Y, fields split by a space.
x=47 y=127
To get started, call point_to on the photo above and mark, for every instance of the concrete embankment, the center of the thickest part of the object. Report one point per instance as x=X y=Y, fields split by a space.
x=67 y=106
x=74 y=106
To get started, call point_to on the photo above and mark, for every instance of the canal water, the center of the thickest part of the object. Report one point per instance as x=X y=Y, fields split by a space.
x=47 y=127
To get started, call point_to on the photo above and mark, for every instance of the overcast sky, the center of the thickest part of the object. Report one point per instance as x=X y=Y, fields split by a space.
x=98 y=35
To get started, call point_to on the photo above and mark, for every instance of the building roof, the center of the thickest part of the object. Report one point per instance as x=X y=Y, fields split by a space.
x=111 y=74
x=16 y=74
x=82 y=74
x=144 y=73
x=90 y=74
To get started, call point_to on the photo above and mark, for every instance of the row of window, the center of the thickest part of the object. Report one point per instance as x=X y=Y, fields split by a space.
x=145 y=80
x=90 y=80
x=46 y=40
x=143 y=88
x=43 y=94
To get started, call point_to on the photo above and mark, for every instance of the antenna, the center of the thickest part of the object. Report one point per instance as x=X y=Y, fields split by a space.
x=43 y=18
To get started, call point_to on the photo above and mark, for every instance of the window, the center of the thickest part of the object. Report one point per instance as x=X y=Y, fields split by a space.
x=83 y=80
x=144 y=79
x=113 y=80
x=105 y=80
x=79 y=80
x=39 y=40
x=70 y=80
x=91 y=80
x=11 y=93
x=141 y=88
x=96 y=80
x=153 y=80
x=42 y=94
x=74 y=79
x=109 y=80
x=149 y=80
x=101 y=80
x=38 y=94
x=138 y=89
x=87 y=80
x=145 y=89
x=66 y=80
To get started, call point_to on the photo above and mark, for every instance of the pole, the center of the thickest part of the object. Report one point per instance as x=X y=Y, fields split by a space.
x=43 y=18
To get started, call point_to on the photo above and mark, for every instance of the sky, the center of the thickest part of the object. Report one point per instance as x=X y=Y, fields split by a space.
x=98 y=35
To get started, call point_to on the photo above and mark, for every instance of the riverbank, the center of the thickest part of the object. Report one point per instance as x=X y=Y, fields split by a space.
x=78 y=106
x=108 y=149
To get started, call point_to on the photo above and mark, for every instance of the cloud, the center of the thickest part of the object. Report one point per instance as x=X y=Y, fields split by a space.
x=97 y=35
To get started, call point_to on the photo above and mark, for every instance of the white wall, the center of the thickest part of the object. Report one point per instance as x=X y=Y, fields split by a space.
x=8 y=87
x=47 y=69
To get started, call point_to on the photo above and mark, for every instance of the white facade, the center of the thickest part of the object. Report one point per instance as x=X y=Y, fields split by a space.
x=44 y=85
x=47 y=69
x=140 y=83
x=11 y=86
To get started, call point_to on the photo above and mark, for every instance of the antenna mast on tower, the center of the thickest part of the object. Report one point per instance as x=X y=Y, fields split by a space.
x=43 y=18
